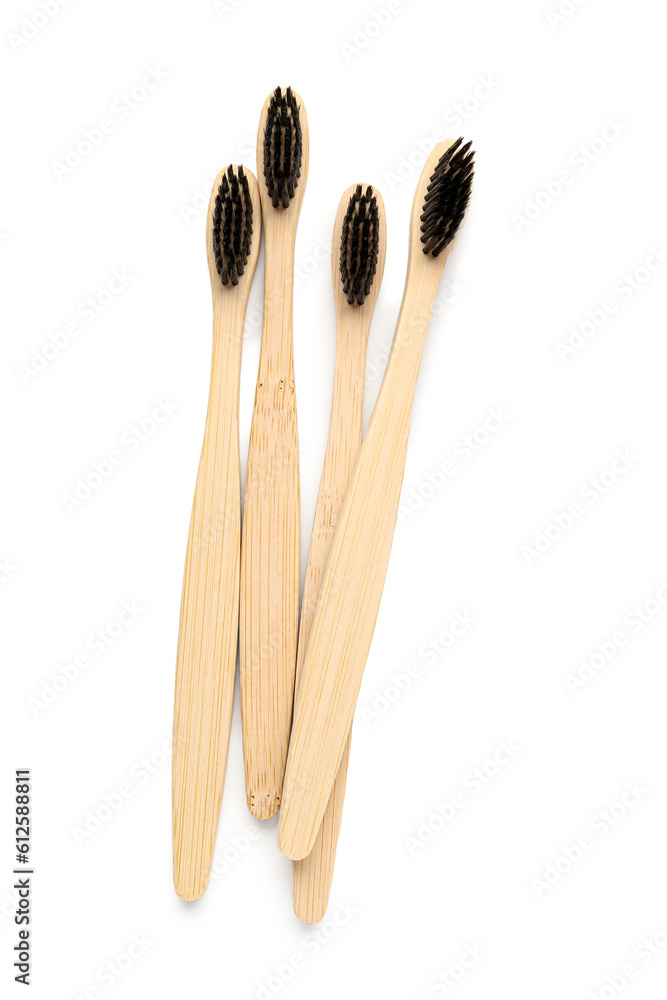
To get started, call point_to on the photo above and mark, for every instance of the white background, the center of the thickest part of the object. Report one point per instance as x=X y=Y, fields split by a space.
x=534 y=93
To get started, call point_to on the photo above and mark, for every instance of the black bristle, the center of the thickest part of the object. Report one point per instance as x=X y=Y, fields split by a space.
x=447 y=198
x=359 y=245
x=283 y=147
x=232 y=225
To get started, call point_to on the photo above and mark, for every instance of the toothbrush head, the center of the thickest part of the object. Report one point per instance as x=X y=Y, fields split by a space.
x=359 y=244
x=232 y=225
x=447 y=197
x=282 y=147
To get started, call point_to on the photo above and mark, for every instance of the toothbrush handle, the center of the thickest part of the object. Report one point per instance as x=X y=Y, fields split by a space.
x=312 y=876
x=352 y=588
x=270 y=551
x=208 y=635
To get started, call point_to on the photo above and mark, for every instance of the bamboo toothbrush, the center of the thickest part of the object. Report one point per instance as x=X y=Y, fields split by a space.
x=350 y=593
x=357 y=264
x=271 y=528
x=207 y=641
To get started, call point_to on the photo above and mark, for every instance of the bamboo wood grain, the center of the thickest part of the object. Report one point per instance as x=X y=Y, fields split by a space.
x=313 y=874
x=208 y=635
x=351 y=590
x=270 y=557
